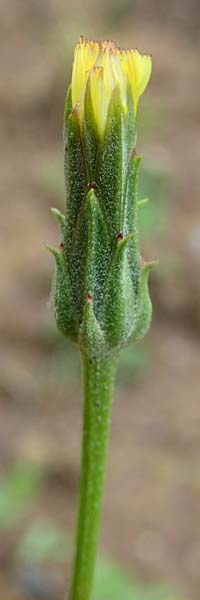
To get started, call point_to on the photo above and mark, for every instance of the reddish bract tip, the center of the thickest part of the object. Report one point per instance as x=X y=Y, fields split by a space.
x=143 y=262
x=120 y=236
x=89 y=297
x=91 y=186
x=61 y=246
x=133 y=153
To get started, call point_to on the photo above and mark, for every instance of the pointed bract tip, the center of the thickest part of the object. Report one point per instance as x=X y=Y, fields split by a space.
x=134 y=153
x=91 y=186
x=143 y=262
x=61 y=246
x=142 y=202
x=51 y=249
x=150 y=263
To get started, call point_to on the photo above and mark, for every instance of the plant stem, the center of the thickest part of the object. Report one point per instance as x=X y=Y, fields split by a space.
x=98 y=378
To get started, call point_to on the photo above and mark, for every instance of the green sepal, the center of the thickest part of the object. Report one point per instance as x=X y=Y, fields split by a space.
x=89 y=255
x=112 y=164
x=131 y=204
x=68 y=105
x=143 y=311
x=131 y=216
x=98 y=251
x=90 y=135
x=119 y=296
x=61 y=296
x=91 y=337
x=75 y=175
x=61 y=220
x=131 y=124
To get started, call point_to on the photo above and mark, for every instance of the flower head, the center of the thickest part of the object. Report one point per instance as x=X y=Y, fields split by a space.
x=100 y=292
x=103 y=66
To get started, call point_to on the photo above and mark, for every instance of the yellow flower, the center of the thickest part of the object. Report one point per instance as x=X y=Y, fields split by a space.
x=103 y=66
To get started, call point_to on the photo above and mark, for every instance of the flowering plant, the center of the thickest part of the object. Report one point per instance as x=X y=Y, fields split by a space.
x=100 y=290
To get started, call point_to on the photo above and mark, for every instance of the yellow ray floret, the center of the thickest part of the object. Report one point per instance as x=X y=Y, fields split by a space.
x=103 y=66
x=85 y=56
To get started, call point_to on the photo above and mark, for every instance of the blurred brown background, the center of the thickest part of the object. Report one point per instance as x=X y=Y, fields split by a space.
x=151 y=524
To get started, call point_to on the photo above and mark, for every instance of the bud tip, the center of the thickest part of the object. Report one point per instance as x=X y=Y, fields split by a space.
x=91 y=186
x=151 y=263
x=134 y=153
x=61 y=246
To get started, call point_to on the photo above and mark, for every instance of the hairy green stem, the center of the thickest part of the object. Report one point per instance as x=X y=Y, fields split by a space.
x=98 y=377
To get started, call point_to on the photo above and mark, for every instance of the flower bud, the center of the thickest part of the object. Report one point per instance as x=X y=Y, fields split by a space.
x=101 y=297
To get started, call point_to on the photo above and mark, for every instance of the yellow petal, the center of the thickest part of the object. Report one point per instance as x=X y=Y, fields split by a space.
x=120 y=78
x=143 y=66
x=106 y=65
x=100 y=97
x=84 y=59
x=103 y=78
x=138 y=69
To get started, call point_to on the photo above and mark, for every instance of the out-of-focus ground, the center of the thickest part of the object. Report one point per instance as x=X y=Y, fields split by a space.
x=151 y=519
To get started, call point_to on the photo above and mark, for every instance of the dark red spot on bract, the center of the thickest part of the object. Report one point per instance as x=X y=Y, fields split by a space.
x=120 y=236
x=91 y=186
x=89 y=297
x=61 y=246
